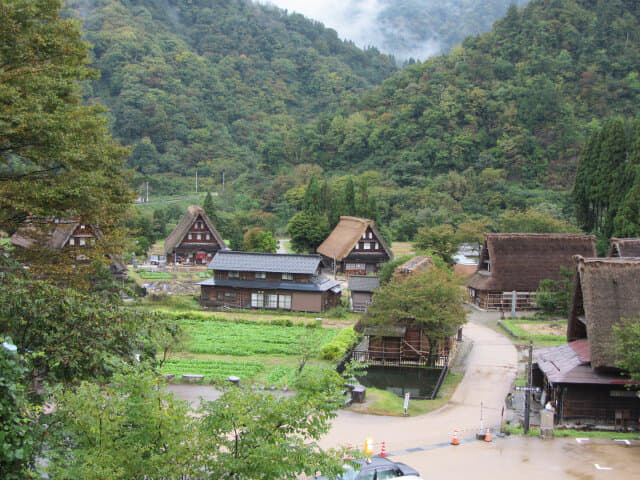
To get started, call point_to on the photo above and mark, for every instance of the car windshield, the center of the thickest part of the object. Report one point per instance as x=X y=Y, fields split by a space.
x=349 y=473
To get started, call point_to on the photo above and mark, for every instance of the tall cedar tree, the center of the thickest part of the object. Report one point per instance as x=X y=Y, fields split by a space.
x=56 y=156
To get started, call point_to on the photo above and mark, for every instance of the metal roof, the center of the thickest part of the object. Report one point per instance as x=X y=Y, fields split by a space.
x=321 y=284
x=363 y=283
x=264 y=262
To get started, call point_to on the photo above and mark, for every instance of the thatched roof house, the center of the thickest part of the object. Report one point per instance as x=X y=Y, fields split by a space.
x=624 y=247
x=355 y=246
x=194 y=240
x=605 y=291
x=581 y=379
x=519 y=261
x=52 y=233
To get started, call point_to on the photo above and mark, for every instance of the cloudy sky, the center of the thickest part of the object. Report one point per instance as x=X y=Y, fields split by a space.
x=355 y=20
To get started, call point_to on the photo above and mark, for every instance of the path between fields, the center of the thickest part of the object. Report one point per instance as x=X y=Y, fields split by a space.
x=491 y=369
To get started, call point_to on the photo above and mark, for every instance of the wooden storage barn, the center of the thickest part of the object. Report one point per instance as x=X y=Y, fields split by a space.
x=194 y=241
x=624 y=247
x=581 y=379
x=269 y=281
x=362 y=288
x=355 y=247
x=519 y=261
x=403 y=344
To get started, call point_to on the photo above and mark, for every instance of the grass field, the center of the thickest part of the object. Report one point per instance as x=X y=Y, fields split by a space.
x=544 y=333
x=212 y=369
x=400 y=249
x=239 y=339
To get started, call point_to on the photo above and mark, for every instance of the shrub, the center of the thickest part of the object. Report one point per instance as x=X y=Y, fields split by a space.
x=340 y=345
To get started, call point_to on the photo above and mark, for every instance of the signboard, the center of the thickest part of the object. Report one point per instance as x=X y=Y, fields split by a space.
x=406 y=401
x=528 y=389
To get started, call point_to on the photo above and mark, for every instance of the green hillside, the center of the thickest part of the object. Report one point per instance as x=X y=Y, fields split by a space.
x=522 y=98
x=216 y=84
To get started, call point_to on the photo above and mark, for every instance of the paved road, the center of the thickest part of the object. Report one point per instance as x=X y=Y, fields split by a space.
x=491 y=369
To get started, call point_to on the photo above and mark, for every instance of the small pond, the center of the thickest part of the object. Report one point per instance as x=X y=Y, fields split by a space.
x=418 y=381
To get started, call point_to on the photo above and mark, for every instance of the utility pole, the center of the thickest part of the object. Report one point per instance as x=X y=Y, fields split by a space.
x=196 y=180
x=147 y=192
x=527 y=398
x=223 y=181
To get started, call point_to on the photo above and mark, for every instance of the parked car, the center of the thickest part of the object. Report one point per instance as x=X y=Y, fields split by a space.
x=378 y=468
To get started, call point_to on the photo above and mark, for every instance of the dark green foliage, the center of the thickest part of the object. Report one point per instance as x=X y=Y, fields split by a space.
x=554 y=296
x=628 y=346
x=18 y=425
x=307 y=231
x=439 y=240
x=338 y=347
x=385 y=274
x=257 y=240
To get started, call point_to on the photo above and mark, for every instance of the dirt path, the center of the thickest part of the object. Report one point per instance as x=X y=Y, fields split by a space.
x=491 y=368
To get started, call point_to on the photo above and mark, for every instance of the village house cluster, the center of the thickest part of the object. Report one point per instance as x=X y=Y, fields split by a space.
x=579 y=380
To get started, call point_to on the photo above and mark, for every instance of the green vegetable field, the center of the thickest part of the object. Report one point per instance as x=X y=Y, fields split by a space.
x=212 y=369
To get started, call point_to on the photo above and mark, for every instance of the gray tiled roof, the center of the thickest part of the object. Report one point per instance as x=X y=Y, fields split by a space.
x=321 y=284
x=264 y=262
x=363 y=283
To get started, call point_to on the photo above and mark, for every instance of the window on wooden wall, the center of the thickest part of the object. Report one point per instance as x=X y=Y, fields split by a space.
x=233 y=274
x=271 y=301
x=257 y=300
x=190 y=236
x=287 y=276
x=261 y=275
x=367 y=246
x=284 y=302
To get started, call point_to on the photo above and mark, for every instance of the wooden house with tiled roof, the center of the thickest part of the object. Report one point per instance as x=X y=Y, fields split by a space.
x=362 y=288
x=194 y=241
x=518 y=262
x=355 y=247
x=269 y=281
x=581 y=379
x=624 y=247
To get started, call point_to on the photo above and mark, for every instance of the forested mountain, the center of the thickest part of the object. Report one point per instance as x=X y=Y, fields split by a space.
x=406 y=29
x=521 y=97
x=216 y=84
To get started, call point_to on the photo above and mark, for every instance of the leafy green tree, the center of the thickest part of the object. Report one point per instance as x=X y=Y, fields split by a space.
x=532 y=221
x=385 y=274
x=439 y=240
x=554 y=296
x=130 y=428
x=57 y=157
x=65 y=335
x=210 y=209
x=349 y=202
x=248 y=434
x=258 y=240
x=307 y=231
x=432 y=300
x=19 y=435
x=627 y=335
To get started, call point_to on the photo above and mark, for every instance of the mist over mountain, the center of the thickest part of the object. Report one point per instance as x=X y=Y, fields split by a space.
x=406 y=29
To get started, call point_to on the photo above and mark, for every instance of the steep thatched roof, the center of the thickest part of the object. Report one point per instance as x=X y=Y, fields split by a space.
x=47 y=233
x=606 y=291
x=175 y=238
x=624 y=247
x=518 y=261
x=344 y=237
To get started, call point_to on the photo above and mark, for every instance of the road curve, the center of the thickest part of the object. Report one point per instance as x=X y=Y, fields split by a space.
x=491 y=369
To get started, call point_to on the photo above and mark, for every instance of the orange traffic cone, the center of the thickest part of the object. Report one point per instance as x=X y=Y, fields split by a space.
x=383 y=452
x=487 y=436
x=454 y=440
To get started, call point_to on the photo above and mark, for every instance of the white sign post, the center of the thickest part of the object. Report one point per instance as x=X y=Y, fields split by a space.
x=406 y=403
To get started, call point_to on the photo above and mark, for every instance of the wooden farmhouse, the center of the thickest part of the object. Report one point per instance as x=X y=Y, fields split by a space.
x=624 y=247
x=405 y=343
x=354 y=247
x=194 y=241
x=581 y=379
x=362 y=288
x=269 y=281
x=67 y=235
x=518 y=262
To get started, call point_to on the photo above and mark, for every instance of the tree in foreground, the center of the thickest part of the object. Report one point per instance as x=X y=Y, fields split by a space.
x=57 y=159
x=628 y=346
x=439 y=240
x=307 y=231
x=432 y=300
x=257 y=240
